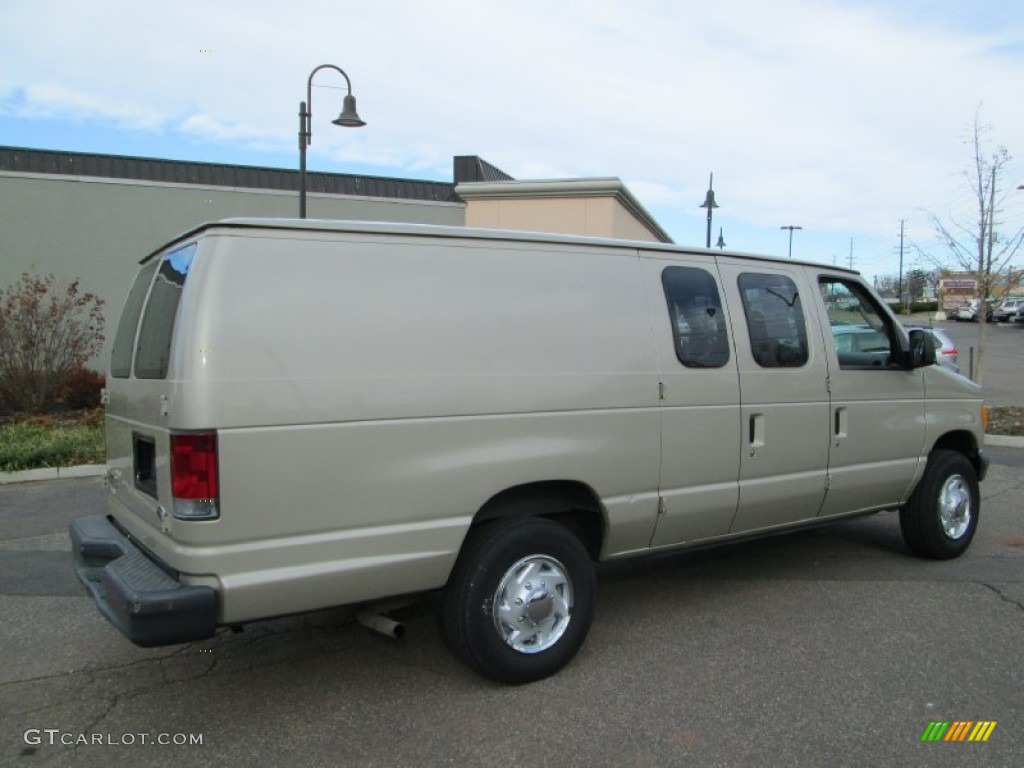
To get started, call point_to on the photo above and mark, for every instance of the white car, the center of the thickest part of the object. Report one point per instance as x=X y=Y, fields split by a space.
x=1007 y=310
x=968 y=313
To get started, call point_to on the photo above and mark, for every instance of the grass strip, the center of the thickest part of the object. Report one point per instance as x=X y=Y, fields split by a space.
x=32 y=445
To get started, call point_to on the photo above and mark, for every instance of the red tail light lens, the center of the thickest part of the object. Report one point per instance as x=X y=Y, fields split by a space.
x=949 y=352
x=194 y=475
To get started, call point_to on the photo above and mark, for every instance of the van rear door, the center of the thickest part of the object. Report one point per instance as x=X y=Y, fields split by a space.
x=138 y=445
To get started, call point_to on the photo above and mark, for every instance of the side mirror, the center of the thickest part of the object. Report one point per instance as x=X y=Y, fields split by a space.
x=922 y=348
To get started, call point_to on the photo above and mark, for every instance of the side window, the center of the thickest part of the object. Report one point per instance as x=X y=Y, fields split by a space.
x=153 y=349
x=695 y=311
x=121 y=356
x=775 y=320
x=863 y=338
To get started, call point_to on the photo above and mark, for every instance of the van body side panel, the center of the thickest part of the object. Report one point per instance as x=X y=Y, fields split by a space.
x=332 y=504
x=700 y=418
x=370 y=393
x=953 y=405
x=312 y=330
x=785 y=409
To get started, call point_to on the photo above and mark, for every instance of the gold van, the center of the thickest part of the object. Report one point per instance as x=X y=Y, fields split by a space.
x=303 y=414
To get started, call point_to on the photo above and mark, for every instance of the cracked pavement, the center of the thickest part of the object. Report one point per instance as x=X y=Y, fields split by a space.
x=832 y=646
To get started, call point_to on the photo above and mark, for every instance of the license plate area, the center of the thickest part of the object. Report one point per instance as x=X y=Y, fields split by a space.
x=144 y=463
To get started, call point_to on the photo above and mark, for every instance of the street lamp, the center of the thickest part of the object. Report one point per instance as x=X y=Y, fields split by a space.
x=709 y=203
x=791 y=227
x=721 y=240
x=348 y=118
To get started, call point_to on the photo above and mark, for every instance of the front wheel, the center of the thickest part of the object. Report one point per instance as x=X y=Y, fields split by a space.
x=941 y=516
x=520 y=600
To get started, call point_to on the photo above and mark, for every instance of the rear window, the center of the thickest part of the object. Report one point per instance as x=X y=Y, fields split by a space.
x=121 y=356
x=153 y=349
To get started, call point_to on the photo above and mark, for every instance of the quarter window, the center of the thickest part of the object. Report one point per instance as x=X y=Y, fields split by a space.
x=775 y=320
x=695 y=311
x=121 y=356
x=153 y=350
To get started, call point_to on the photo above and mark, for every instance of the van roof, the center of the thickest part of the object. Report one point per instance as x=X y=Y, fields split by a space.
x=468 y=233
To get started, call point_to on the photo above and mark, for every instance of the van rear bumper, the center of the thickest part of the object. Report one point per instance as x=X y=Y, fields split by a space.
x=136 y=595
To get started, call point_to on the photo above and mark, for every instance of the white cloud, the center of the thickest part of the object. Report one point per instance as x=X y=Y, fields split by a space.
x=844 y=116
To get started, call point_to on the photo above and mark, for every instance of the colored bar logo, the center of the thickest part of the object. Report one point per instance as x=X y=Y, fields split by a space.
x=958 y=730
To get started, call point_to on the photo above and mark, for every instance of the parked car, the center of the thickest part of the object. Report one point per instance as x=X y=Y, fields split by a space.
x=1007 y=310
x=968 y=313
x=308 y=413
x=946 y=353
x=1018 y=316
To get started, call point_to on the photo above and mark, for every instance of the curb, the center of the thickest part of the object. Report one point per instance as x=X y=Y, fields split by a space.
x=1004 y=441
x=53 y=473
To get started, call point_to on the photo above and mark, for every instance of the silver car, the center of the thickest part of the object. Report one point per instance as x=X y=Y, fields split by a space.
x=1007 y=310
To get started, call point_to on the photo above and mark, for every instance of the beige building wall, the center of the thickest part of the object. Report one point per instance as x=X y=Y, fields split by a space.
x=594 y=207
x=96 y=229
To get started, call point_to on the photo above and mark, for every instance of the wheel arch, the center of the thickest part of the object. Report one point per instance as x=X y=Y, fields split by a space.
x=962 y=441
x=568 y=502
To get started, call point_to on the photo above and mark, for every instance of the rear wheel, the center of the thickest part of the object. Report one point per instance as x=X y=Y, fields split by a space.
x=520 y=601
x=940 y=519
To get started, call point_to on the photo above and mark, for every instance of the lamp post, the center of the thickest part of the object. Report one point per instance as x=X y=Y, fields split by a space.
x=721 y=240
x=710 y=204
x=791 y=227
x=348 y=118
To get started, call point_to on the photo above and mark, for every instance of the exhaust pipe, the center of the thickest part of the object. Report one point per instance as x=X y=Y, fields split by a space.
x=384 y=625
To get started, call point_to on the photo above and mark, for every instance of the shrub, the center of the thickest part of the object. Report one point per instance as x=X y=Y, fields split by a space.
x=46 y=332
x=44 y=442
x=915 y=307
x=81 y=388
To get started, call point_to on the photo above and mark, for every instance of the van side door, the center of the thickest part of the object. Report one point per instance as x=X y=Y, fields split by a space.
x=878 y=411
x=784 y=394
x=699 y=397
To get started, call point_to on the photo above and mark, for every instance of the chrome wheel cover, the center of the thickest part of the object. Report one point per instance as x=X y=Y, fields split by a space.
x=533 y=604
x=955 y=506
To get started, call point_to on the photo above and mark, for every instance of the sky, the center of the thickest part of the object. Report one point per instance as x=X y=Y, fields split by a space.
x=842 y=117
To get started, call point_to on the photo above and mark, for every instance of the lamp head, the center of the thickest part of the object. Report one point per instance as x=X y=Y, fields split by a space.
x=349 y=118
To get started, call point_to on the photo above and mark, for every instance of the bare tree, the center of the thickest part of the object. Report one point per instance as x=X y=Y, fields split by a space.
x=973 y=240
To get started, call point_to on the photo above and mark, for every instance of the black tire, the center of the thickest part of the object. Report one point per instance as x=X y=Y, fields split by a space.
x=941 y=516
x=477 y=613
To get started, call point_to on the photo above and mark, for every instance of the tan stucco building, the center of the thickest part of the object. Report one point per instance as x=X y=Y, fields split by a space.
x=92 y=217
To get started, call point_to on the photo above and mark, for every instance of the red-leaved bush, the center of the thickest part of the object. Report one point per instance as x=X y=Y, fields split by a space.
x=82 y=388
x=47 y=331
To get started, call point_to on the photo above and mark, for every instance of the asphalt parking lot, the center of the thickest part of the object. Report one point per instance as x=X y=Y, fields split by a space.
x=828 y=647
x=1004 y=357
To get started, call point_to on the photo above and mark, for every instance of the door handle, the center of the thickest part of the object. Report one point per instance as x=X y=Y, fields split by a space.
x=757 y=432
x=840 y=423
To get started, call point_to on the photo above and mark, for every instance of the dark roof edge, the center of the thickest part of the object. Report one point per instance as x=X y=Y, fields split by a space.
x=45 y=161
x=469 y=168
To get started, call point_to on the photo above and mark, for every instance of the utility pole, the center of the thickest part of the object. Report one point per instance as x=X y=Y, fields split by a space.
x=791 y=227
x=900 y=288
x=851 y=253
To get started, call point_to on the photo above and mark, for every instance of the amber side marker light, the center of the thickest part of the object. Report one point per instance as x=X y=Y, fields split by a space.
x=984 y=417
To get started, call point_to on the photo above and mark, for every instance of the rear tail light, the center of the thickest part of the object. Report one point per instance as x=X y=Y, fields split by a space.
x=194 y=476
x=950 y=352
